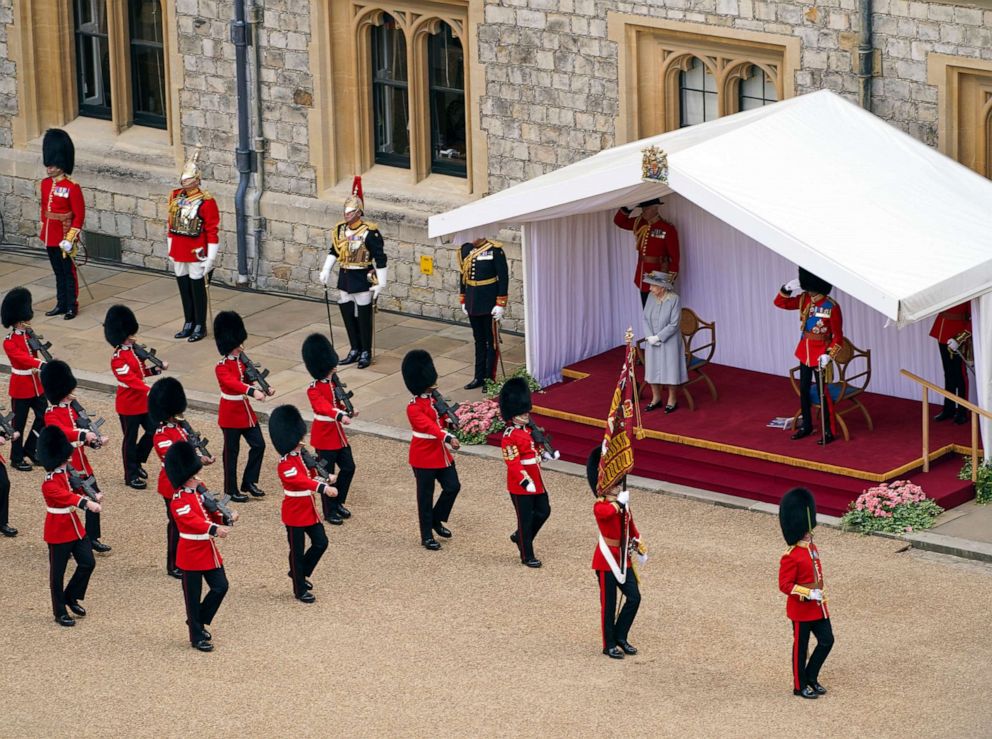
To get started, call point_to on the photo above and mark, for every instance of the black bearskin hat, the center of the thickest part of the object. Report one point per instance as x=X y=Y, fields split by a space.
x=166 y=399
x=514 y=398
x=118 y=324
x=16 y=307
x=419 y=373
x=57 y=380
x=53 y=448
x=57 y=150
x=319 y=356
x=813 y=284
x=797 y=514
x=592 y=467
x=181 y=463
x=229 y=331
x=286 y=428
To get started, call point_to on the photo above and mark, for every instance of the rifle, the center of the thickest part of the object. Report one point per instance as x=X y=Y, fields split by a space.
x=341 y=396
x=255 y=374
x=213 y=504
x=196 y=441
x=86 y=423
x=35 y=345
x=78 y=482
x=315 y=463
x=542 y=438
x=7 y=425
x=148 y=355
x=444 y=409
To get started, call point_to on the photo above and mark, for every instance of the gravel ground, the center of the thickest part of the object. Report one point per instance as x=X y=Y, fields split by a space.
x=466 y=641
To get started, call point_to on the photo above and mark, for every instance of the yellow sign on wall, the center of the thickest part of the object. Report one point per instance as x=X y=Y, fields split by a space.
x=427 y=265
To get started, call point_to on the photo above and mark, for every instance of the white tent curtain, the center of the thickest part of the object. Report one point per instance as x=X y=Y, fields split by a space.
x=981 y=318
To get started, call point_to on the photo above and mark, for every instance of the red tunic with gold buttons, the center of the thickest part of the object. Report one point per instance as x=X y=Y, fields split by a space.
x=25 y=382
x=64 y=417
x=298 y=485
x=197 y=550
x=326 y=433
x=427 y=449
x=234 y=412
x=800 y=571
x=821 y=324
x=130 y=373
x=657 y=245
x=165 y=436
x=951 y=322
x=610 y=519
x=62 y=211
x=523 y=461
x=186 y=248
x=61 y=523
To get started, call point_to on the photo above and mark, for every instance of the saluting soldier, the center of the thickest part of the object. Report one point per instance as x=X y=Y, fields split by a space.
x=952 y=328
x=656 y=239
x=194 y=241
x=358 y=250
x=329 y=419
x=484 y=284
x=822 y=336
x=523 y=468
x=26 y=393
x=62 y=213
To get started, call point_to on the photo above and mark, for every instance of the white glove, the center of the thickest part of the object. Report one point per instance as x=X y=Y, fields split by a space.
x=208 y=263
x=380 y=275
x=792 y=287
x=498 y=311
x=168 y=242
x=952 y=345
x=653 y=340
x=65 y=245
x=527 y=484
x=325 y=272
x=816 y=594
x=464 y=309
x=636 y=211
x=623 y=497
x=824 y=360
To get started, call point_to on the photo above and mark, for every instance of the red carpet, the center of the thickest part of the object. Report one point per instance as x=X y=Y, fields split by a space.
x=726 y=446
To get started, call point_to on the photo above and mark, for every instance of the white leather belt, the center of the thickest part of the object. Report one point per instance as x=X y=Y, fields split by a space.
x=194 y=537
x=228 y=396
x=59 y=510
x=528 y=461
x=21 y=372
x=422 y=435
x=77 y=444
x=318 y=417
x=353 y=267
x=297 y=493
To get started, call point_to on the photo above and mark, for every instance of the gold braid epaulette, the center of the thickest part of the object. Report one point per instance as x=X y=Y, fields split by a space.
x=466 y=264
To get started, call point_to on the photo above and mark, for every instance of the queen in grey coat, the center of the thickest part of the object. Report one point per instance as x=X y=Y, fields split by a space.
x=664 y=355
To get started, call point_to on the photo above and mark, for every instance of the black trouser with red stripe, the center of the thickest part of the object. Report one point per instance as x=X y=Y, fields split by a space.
x=616 y=627
x=430 y=513
x=532 y=512
x=58 y=557
x=134 y=451
x=344 y=460
x=485 y=346
x=66 y=285
x=4 y=495
x=232 y=449
x=303 y=561
x=25 y=444
x=172 y=539
x=955 y=378
x=807 y=672
x=805 y=400
x=200 y=614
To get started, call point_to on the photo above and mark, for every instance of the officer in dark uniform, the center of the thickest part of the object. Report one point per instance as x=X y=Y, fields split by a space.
x=484 y=284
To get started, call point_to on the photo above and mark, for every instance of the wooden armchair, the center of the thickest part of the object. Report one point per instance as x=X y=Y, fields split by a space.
x=698 y=354
x=851 y=378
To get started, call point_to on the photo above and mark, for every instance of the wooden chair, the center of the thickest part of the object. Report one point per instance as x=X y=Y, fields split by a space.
x=851 y=378
x=697 y=354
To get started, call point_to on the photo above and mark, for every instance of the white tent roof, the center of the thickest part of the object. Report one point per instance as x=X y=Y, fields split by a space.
x=822 y=182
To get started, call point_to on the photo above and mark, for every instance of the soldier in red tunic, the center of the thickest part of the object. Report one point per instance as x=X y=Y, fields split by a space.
x=952 y=328
x=329 y=419
x=657 y=242
x=60 y=384
x=197 y=555
x=62 y=215
x=800 y=577
x=299 y=509
x=523 y=468
x=618 y=537
x=822 y=336
x=120 y=328
x=26 y=392
x=194 y=241
x=166 y=405
x=235 y=415
x=64 y=534
x=430 y=449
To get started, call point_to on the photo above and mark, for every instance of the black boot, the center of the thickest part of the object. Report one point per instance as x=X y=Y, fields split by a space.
x=350 y=321
x=186 y=296
x=198 y=289
x=366 y=325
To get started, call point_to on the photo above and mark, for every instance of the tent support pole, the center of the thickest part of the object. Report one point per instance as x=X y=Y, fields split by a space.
x=866 y=54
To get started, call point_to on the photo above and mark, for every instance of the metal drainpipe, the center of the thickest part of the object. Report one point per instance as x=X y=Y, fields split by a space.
x=866 y=55
x=258 y=142
x=244 y=156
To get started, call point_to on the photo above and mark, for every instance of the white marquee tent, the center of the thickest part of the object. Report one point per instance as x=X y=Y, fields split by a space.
x=901 y=230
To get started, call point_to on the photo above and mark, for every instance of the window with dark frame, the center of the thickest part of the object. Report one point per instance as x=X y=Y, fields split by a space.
x=697 y=95
x=446 y=89
x=756 y=90
x=390 y=95
x=92 y=58
x=147 y=62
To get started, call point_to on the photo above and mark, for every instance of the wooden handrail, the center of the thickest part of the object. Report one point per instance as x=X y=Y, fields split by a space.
x=975 y=413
